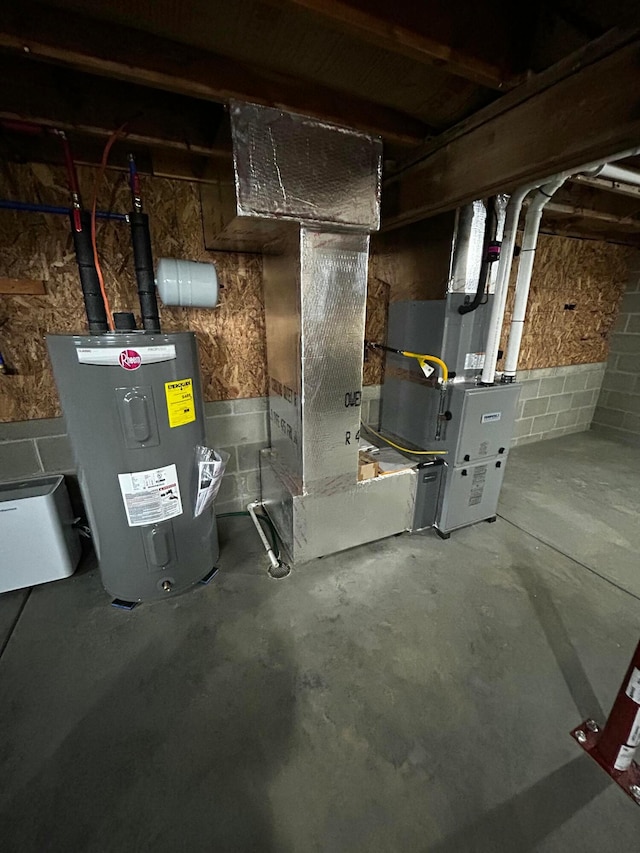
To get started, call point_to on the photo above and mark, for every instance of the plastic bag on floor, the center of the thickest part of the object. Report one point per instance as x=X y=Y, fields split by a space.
x=210 y=465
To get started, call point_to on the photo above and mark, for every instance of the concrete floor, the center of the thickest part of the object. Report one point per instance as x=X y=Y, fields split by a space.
x=581 y=494
x=409 y=695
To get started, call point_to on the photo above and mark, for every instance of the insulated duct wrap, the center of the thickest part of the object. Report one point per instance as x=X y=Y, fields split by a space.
x=318 y=187
x=289 y=166
x=315 y=298
x=467 y=251
x=468 y=246
x=334 y=293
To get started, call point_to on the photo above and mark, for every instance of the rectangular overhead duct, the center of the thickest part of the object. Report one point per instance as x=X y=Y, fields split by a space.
x=315 y=188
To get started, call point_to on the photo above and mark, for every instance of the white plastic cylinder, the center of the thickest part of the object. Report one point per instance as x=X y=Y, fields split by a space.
x=620 y=174
x=190 y=284
x=525 y=269
x=502 y=286
x=506 y=258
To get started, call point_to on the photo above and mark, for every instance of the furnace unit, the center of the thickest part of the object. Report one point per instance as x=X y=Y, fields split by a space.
x=473 y=425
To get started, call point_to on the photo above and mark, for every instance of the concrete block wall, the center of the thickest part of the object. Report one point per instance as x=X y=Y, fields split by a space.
x=555 y=401
x=618 y=410
x=238 y=426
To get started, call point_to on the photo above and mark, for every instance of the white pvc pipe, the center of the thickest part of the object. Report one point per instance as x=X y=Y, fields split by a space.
x=251 y=509
x=620 y=174
x=502 y=285
x=525 y=268
x=506 y=259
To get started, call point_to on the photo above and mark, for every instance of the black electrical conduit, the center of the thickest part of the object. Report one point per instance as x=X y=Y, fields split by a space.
x=489 y=255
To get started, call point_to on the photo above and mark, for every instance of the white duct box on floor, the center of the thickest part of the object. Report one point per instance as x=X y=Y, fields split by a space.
x=39 y=543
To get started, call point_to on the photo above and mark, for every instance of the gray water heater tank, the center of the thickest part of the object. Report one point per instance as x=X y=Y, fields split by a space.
x=135 y=413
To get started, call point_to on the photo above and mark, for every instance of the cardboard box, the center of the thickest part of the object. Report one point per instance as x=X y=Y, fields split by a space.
x=367 y=467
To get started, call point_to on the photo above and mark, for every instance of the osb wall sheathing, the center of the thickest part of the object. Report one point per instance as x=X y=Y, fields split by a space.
x=37 y=246
x=590 y=275
x=586 y=274
x=231 y=337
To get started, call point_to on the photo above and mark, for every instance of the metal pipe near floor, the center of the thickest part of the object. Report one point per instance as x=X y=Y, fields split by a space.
x=525 y=268
x=278 y=569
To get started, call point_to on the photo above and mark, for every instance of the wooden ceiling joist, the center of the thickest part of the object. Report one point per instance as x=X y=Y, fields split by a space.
x=110 y=50
x=94 y=106
x=378 y=23
x=591 y=114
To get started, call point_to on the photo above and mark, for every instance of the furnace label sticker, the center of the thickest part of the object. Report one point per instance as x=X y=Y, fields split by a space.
x=477 y=485
x=151 y=496
x=474 y=361
x=181 y=407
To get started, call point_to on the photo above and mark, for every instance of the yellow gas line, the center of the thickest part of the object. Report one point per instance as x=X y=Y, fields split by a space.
x=422 y=359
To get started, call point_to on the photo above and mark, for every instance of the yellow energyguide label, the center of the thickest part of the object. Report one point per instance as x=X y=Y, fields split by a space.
x=181 y=407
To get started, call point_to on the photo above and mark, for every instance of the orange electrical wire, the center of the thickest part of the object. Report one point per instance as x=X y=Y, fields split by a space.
x=96 y=186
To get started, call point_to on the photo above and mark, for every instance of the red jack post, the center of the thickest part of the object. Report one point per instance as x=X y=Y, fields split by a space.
x=615 y=745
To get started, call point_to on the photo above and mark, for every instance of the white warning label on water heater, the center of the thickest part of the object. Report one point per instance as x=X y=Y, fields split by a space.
x=151 y=496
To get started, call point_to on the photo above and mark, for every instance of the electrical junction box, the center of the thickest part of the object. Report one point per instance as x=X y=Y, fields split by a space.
x=39 y=543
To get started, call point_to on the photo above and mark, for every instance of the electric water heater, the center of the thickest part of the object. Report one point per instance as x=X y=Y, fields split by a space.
x=135 y=414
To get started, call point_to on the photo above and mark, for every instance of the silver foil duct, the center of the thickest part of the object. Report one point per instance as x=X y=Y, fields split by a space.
x=293 y=167
x=467 y=251
x=319 y=186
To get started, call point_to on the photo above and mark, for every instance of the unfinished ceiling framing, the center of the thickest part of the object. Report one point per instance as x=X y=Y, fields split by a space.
x=468 y=99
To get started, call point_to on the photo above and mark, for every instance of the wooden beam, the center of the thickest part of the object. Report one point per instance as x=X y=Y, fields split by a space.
x=94 y=106
x=627 y=223
x=111 y=50
x=22 y=287
x=608 y=185
x=600 y=48
x=592 y=114
x=416 y=31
